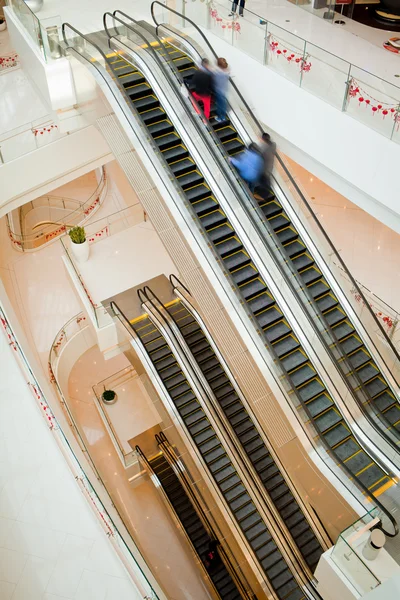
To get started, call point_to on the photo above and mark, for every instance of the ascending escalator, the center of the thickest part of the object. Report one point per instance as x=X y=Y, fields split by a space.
x=269 y=318
x=361 y=371
x=200 y=538
x=216 y=459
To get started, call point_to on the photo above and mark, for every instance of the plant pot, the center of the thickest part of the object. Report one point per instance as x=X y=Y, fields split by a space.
x=113 y=401
x=80 y=251
x=34 y=5
x=3 y=25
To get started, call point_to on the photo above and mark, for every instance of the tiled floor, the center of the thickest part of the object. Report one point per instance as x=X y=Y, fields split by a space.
x=140 y=506
x=51 y=544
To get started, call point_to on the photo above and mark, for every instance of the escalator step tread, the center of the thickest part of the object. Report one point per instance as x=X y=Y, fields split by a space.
x=228 y=247
x=326 y=302
x=182 y=166
x=252 y=288
x=202 y=207
x=237 y=260
x=311 y=275
x=303 y=374
x=328 y=420
x=393 y=414
x=271 y=209
x=367 y=372
x=261 y=302
x=347 y=449
x=220 y=233
x=153 y=115
x=334 y=316
x=359 y=358
x=303 y=261
x=294 y=248
x=294 y=360
x=375 y=387
x=277 y=331
x=321 y=403
x=371 y=475
x=310 y=390
x=268 y=317
x=336 y=435
x=318 y=289
x=243 y=275
x=343 y=330
x=288 y=344
x=176 y=153
x=287 y=235
x=351 y=344
x=358 y=462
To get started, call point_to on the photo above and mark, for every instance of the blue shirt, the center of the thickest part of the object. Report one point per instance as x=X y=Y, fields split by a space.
x=250 y=165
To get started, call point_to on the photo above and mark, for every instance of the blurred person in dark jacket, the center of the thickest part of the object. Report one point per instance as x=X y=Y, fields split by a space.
x=268 y=151
x=250 y=165
x=202 y=86
x=234 y=7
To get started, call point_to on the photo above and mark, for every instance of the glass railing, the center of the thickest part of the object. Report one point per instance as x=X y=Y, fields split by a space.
x=96 y=232
x=118 y=383
x=44 y=30
x=74 y=213
x=27 y=138
x=349 y=88
x=127 y=551
x=347 y=554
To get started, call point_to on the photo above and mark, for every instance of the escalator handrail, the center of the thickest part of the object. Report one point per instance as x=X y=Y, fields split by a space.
x=172 y=278
x=291 y=178
x=166 y=446
x=83 y=36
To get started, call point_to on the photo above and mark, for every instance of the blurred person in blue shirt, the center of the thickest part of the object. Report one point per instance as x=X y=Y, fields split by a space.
x=221 y=85
x=249 y=165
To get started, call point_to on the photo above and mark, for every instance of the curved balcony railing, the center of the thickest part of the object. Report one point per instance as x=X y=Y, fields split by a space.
x=126 y=549
x=76 y=212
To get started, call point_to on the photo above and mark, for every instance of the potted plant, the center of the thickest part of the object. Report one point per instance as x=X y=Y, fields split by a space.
x=109 y=396
x=79 y=243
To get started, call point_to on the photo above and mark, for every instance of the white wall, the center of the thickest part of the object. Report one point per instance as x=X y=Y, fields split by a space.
x=37 y=173
x=357 y=161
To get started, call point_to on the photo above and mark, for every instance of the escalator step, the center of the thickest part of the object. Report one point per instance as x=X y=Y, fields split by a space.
x=350 y=345
x=303 y=262
x=375 y=387
x=226 y=134
x=237 y=260
x=259 y=541
x=334 y=316
x=146 y=103
x=384 y=400
x=228 y=247
x=271 y=209
x=287 y=235
x=321 y=403
x=233 y=146
x=130 y=78
x=167 y=141
x=302 y=375
x=371 y=475
x=294 y=248
x=253 y=288
x=138 y=91
x=203 y=207
x=359 y=358
x=343 y=330
x=244 y=275
x=190 y=180
x=359 y=461
x=318 y=289
x=153 y=116
x=268 y=317
x=367 y=372
x=294 y=360
x=262 y=302
x=220 y=233
x=336 y=435
x=288 y=344
x=310 y=390
x=278 y=222
x=326 y=302
x=197 y=193
x=276 y=332
x=327 y=420
x=176 y=153
x=393 y=414
x=160 y=128
x=182 y=166
x=347 y=449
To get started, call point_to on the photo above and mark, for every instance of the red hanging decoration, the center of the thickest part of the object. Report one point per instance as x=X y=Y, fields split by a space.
x=303 y=62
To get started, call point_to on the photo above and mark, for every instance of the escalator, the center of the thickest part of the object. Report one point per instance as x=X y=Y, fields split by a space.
x=269 y=319
x=201 y=539
x=226 y=395
x=362 y=373
x=216 y=460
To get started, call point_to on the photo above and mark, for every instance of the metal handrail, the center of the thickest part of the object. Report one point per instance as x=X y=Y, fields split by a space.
x=289 y=175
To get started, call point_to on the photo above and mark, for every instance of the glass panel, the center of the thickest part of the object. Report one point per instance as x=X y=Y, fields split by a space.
x=285 y=53
x=325 y=9
x=373 y=101
x=327 y=76
x=30 y=22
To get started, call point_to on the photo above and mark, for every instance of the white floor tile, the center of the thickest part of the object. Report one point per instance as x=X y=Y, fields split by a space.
x=91 y=587
x=34 y=580
x=35 y=540
x=6 y=590
x=70 y=566
x=11 y=565
x=102 y=559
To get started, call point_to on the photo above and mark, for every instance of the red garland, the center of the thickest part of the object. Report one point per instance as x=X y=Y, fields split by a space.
x=365 y=99
x=7 y=62
x=387 y=320
x=43 y=129
x=92 y=206
x=291 y=57
x=225 y=23
x=99 y=234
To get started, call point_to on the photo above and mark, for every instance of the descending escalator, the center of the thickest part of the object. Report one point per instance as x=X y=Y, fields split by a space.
x=200 y=538
x=241 y=422
x=269 y=318
x=217 y=460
